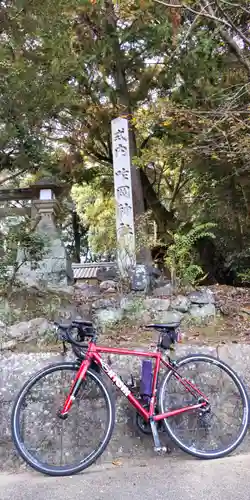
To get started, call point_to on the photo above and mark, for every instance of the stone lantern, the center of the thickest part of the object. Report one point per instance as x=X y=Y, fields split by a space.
x=45 y=193
x=55 y=267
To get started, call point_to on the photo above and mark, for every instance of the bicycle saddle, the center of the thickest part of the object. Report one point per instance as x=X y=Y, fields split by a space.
x=162 y=326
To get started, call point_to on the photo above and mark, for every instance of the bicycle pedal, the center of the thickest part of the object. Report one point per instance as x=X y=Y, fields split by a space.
x=161 y=450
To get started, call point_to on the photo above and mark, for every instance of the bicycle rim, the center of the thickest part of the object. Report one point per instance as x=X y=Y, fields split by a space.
x=207 y=434
x=37 y=429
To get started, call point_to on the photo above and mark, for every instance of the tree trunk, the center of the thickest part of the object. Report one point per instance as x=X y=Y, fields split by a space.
x=77 y=237
x=144 y=254
x=236 y=217
x=165 y=219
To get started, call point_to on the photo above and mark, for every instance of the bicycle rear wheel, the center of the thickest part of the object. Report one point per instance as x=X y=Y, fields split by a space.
x=59 y=447
x=221 y=427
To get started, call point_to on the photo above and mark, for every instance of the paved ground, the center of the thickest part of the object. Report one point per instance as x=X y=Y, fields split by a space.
x=157 y=479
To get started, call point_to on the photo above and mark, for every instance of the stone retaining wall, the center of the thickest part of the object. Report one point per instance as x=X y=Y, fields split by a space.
x=163 y=307
x=115 y=310
x=127 y=440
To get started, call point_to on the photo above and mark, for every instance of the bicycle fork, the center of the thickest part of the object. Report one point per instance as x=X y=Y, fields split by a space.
x=76 y=384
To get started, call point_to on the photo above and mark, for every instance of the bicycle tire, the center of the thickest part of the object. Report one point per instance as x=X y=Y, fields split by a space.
x=243 y=393
x=15 y=422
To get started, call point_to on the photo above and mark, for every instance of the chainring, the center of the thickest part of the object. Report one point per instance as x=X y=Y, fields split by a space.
x=144 y=426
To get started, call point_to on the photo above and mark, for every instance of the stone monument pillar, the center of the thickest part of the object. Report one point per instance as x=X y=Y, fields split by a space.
x=55 y=267
x=126 y=255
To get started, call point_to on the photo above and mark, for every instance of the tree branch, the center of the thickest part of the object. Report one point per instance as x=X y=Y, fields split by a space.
x=183 y=183
x=229 y=40
x=177 y=186
x=202 y=13
x=145 y=143
x=208 y=12
x=236 y=29
x=169 y=184
x=231 y=4
x=99 y=156
x=13 y=176
x=163 y=217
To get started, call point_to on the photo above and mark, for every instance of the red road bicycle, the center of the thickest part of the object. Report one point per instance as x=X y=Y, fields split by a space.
x=200 y=401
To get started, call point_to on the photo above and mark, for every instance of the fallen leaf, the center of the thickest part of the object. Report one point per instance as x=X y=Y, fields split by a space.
x=117 y=462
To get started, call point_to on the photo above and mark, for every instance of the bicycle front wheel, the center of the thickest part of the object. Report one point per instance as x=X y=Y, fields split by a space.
x=59 y=447
x=218 y=429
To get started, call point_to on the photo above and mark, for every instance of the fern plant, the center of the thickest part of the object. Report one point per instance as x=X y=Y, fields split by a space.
x=181 y=254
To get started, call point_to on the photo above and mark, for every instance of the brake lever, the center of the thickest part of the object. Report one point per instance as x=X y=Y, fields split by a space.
x=61 y=335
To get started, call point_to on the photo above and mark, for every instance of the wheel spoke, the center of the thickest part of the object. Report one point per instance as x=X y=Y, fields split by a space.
x=57 y=446
x=210 y=431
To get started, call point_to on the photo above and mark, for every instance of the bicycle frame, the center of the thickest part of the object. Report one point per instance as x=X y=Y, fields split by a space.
x=93 y=354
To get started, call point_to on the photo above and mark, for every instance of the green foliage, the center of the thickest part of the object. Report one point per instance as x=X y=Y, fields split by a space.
x=181 y=254
x=97 y=212
x=68 y=67
x=239 y=263
x=245 y=277
x=32 y=244
x=33 y=247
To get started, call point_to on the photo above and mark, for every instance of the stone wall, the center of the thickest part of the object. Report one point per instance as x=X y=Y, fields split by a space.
x=27 y=315
x=108 y=306
x=162 y=306
x=127 y=439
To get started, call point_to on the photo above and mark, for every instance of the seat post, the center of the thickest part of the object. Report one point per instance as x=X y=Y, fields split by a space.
x=158 y=347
